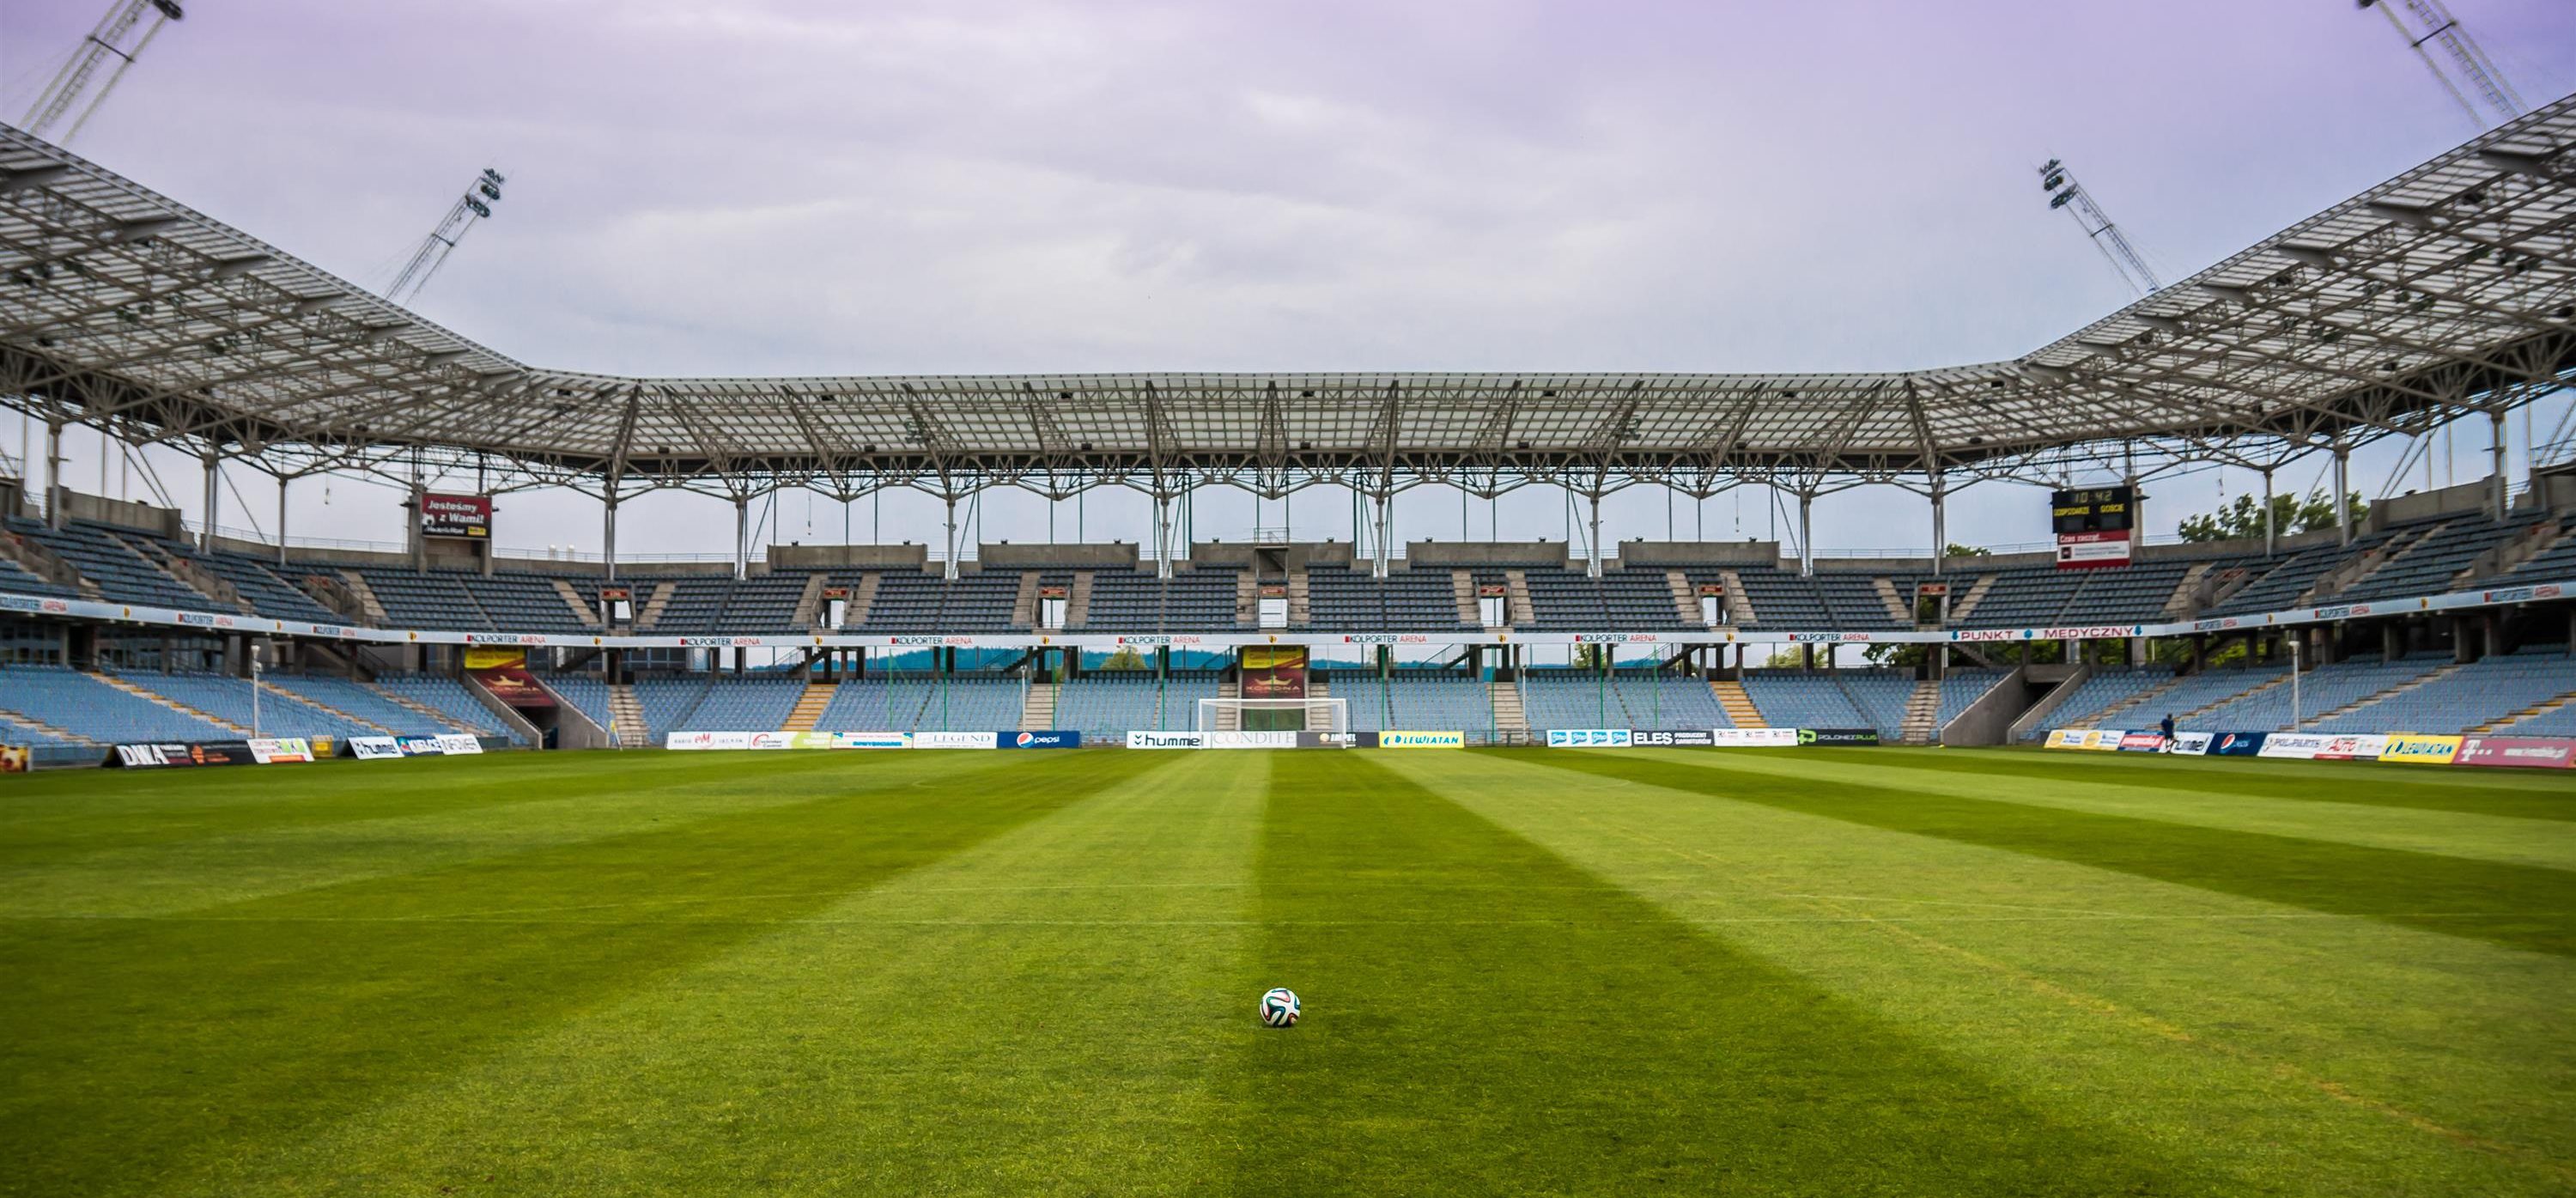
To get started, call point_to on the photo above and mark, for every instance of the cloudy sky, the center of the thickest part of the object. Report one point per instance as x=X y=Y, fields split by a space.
x=764 y=186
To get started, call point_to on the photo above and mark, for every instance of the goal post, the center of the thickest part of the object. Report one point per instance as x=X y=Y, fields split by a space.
x=1274 y=715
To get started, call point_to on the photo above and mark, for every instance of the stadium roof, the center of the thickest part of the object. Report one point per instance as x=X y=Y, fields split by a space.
x=2445 y=290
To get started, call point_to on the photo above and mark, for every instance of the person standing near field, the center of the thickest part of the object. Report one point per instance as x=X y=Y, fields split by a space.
x=2167 y=728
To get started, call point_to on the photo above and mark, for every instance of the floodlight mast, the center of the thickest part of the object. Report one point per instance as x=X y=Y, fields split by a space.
x=72 y=83
x=2470 y=72
x=475 y=204
x=2064 y=192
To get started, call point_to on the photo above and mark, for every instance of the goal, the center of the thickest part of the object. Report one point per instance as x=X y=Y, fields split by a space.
x=1274 y=715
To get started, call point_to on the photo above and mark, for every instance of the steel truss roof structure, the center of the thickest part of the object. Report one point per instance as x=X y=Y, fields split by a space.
x=2443 y=292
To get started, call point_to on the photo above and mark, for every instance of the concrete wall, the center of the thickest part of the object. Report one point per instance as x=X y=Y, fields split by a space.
x=1989 y=720
x=1661 y=554
x=1479 y=553
x=1117 y=555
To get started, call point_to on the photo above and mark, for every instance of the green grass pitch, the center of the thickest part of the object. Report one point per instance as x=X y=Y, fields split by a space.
x=1735 y=972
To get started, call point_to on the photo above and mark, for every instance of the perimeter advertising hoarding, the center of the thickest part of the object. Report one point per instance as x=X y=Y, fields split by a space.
x=1052 y=738
x=162 y=755
x=1754 y=738
x=456 y=516
x=1409 y=739
x=1337 y=740
x=2141 y=742
x=2190 y=744
x=1587 y=738
x=262 y=751
x=1278 y=739
x=1166 y=740
x=2528 y=752
x=374 y=748
x=956 y=740
x=2352 y=748
x=2235 y=744
x=16 y=759
x=2416 y=748
x=1839 y=736
x=2098 y=740
x=2298 y=746
x=1674 y=738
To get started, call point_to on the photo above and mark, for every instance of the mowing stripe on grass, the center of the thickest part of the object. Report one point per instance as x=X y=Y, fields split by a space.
x=1586 y=1041
x=622 y=794
x=951 y=1030
x=2547 y=844
x=2531 y=794
x=2517 y=905
x=2321 y=1054
x=139 y=1050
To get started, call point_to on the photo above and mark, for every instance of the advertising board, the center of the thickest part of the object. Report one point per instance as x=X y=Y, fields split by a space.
x=1337 y=740
x=1587 y=738
x=2527 y=752
x=1280 y=739
x=1837 y=736
x=2235 y=744
x=2351 y=747
x=1052 y=738
x=2094 y=740
x=2416 y=748
x=956 y=740
x=2189 y=744
x=374 y=748
x=1411 y=739
x=1675 y=738
x=281 y=750
x=16 y=759
x=2298 y=746
x=459 y=745
x=2141 y=742
x=1166 y=740
x=456 y=516
x=163 y=755
x=1754 y=738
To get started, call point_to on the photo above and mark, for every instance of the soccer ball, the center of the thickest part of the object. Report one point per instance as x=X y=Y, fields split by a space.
x=1279 y=1008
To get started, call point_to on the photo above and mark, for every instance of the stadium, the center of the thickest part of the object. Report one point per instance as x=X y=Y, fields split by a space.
x=1743 y=866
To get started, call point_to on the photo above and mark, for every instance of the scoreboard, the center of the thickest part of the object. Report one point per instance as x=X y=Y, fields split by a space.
x=2094 y=526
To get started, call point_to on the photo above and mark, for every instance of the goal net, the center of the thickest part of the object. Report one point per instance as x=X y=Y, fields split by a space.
x=1274 y=715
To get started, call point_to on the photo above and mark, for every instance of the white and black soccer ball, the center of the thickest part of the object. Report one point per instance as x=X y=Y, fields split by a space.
x=1279 y=1008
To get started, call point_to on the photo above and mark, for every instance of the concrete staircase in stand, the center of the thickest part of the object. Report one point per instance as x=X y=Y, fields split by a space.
x=626 y=718
x=1037 y=708
x=1922 y=714
x=1685 y=600
x=649 y=612
x=809 y=706
x=1462 y=584
x=1737 y=705
x=1896 y=608
x=580 y=610
x=271 y=688
x=2498 y=725
x=25 y=721
x=436 y=717
x=166 y=701
x=1961 y=606
x=1510 y=718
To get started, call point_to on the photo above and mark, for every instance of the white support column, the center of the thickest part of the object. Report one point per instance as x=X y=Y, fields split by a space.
x=741 y=535
x=948 y=569
x=1593 y=568
x=2343 y=505
x=1940 y=525
x=281 y=519
x=1384 y=520
x=53 y=474
x=2271 y=534
x=1806 y=534
x=419 y=543
x=1162 y=535
x=2495 y=463
x=214 y=499
x=608 y=534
